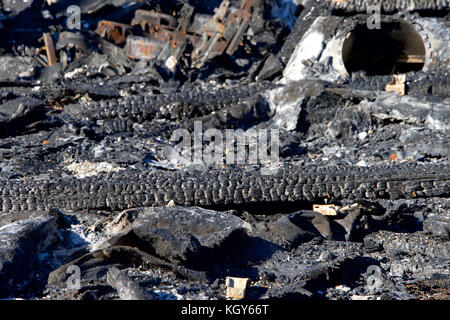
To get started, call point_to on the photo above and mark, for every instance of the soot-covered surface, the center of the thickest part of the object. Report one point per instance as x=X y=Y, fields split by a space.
x=94 y=204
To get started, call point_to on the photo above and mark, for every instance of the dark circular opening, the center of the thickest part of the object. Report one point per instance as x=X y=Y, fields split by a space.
x=395 y=48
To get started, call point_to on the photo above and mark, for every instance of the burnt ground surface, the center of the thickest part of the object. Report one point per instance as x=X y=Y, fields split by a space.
x=97 y=112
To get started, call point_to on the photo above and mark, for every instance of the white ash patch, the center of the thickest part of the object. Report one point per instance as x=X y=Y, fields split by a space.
x=361 y=163
x=75 y=72
x=310 y=47
x=167 y=293
x=80 y=236
x=436 y=124
x=285 y=104
x=88 y=169
x=343 y=288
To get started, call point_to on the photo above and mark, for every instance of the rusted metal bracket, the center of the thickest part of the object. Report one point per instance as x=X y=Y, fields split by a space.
x=153 y=21
x=179 y=40
x=113 y=31
x=167 y=37
x=227 y=32
x=143 y=48
x=212 y=30
x=242 y=18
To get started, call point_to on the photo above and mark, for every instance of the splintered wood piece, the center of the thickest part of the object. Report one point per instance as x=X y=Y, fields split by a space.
x=50 y=49
x=236 y=287
x=397 y=84
x=326 y=209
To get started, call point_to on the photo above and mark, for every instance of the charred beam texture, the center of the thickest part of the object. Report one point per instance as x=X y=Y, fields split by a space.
x=132 y=188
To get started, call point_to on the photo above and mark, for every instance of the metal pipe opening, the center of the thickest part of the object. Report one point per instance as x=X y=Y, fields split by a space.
x=393 y=49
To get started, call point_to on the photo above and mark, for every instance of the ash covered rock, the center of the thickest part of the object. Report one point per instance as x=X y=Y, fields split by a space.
x=438 y=226
x=304 y=226
x=305 y=267
x=314 y=52
x=22 y=244
x=126 y=288
x=172 y=239
x=186 y=236
x=349 y=124
x=12 y=67
x=412 y=257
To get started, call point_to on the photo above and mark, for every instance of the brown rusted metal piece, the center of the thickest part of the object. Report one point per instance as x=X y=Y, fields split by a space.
x=223 y=33
x=211 y=33
x=50 y=49
x=179 y=38
x=114 y=31
x=153 y=21
x=243 y=18
x=236 y=287
x=143 y=48
x=166 y=42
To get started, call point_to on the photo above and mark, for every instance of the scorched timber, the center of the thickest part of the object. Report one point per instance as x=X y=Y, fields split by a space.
x=231 y=186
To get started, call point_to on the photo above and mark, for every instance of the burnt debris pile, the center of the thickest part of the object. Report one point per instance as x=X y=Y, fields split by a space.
x=235 y=149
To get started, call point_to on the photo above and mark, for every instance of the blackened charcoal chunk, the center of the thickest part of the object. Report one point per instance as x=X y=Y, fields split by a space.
x=272 y=67
x=371 y=245
x=185 y=236
x=163 y=243
x=295 y=228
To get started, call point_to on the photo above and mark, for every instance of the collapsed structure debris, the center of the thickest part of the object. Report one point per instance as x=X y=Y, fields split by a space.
x=166 y=38
x=353 y=184
x=344 y=48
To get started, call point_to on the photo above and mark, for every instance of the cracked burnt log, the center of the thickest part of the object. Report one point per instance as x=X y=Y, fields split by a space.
x=220 y=106
x=125 y=189
x=189 y=102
